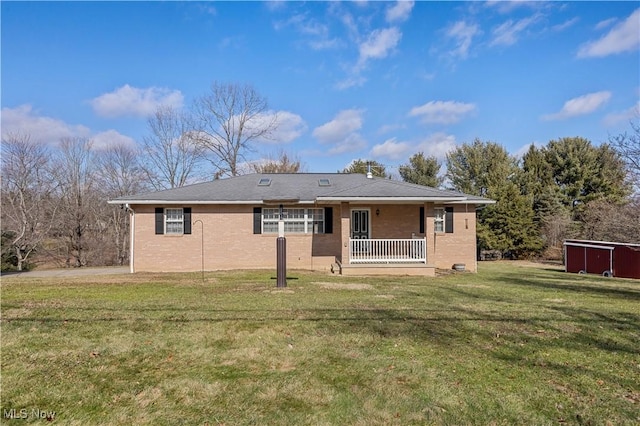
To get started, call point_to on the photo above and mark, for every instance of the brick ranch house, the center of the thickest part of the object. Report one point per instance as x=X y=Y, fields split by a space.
x=346 y=223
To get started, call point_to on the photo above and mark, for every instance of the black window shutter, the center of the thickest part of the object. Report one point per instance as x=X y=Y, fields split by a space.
x=422 y=220
x=257 y=220
x=187 y=219
x=159 y=221
x=328 y=220
x=448 y=220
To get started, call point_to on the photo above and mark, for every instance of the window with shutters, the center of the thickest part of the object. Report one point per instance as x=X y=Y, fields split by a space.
x=296 y=220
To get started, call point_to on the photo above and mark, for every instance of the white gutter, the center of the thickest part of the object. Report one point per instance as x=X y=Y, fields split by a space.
x=414 y=199
x=203 y=202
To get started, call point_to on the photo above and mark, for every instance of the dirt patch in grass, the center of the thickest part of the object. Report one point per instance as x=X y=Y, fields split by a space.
x=344 y=286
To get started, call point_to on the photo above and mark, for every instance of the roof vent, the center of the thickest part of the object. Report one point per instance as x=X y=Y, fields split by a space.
x=369 y=175
x=324 y=182
x=264 y=182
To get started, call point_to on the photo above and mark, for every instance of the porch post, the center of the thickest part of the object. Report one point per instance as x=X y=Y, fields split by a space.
x=345 y=231
x=430 y=233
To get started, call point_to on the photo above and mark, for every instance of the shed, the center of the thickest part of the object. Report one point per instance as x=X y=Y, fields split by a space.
x=605 y=258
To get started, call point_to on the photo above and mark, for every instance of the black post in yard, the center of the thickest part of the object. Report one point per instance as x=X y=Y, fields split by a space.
x=281 y=252
x=281 y=248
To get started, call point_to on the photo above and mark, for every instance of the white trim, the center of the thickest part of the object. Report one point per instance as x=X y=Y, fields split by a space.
x=575 y=242
x=400 y=199
x=220 y=202
x=588 y=246
x=452 y=200
x=132 y=231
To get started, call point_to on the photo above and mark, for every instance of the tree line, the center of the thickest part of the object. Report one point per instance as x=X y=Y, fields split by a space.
x=54 y=194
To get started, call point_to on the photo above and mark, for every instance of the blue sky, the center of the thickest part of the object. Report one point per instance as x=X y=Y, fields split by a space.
x=374 y=80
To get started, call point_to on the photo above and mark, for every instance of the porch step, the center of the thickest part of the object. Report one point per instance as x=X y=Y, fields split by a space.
x=389 y=269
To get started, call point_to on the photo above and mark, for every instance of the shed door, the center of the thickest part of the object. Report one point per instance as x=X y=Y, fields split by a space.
x=360 y=227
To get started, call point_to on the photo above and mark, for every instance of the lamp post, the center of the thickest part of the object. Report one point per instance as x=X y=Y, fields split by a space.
x=201 y=245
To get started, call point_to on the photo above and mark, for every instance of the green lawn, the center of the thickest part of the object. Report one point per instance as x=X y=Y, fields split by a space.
x=509 y=345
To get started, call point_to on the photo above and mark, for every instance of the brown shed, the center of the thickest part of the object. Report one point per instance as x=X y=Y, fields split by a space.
x=609 y=259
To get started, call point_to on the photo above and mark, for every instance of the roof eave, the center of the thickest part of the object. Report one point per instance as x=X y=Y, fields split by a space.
x=396 y=199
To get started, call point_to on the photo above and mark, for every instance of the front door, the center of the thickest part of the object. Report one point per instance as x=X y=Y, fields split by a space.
x=360 y=227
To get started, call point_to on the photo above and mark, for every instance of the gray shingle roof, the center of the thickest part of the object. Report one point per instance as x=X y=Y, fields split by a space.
x=299 y=187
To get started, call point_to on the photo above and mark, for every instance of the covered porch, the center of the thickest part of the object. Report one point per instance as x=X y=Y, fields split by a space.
x=384 y=239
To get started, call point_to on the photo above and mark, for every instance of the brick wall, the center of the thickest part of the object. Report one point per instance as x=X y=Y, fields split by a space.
x=229 y=242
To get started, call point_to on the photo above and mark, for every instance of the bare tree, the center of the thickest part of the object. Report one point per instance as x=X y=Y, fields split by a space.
x=628 y=146
x=119 y=173
x=282 y=164
x=608 y=221
x=74 y=173
x=171 y=157
x=229 y=120
x=27 y=204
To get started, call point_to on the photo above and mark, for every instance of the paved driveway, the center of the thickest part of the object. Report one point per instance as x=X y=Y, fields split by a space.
x=69 y=272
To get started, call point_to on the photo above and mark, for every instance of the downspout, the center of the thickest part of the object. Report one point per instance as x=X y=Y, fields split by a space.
x=132 y=229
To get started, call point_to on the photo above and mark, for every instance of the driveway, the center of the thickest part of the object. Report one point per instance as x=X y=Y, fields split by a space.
x=69 y=272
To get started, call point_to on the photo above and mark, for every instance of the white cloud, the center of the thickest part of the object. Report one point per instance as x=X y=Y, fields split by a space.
x=505 y=7
x=352 y=81
x=23 y=120
x=342 y=132
x=566 y=24
x=442 y=112
x=290 y=126
x=581 y=105
x=391 y=149
x=437 y=145
x=109 y=138
x=463 y=34
x=378 y=44
x=345 y=122
x=615 y=118
x=127 y=100
x=399 y=12
x=623 y=37
x=507 y=34
x=606 y=23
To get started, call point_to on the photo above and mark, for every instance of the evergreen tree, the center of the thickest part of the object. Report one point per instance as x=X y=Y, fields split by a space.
x=486 y=169
x=583 y=173
x=508 y=225
x=422 y=171
x=480 y=168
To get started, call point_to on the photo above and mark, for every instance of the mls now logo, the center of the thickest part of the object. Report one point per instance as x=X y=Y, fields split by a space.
x=23 y=413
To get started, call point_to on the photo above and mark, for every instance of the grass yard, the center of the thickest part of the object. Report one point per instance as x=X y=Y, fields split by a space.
x=509 y=345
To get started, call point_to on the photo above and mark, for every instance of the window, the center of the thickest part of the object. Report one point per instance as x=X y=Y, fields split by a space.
x=443 y=220
x=439 y=220
x=324 y=182
x=173 y=221
x=264 y=182
x=296 y=221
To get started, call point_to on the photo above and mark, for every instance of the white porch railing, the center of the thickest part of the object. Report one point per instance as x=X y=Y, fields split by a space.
x=411 y=250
